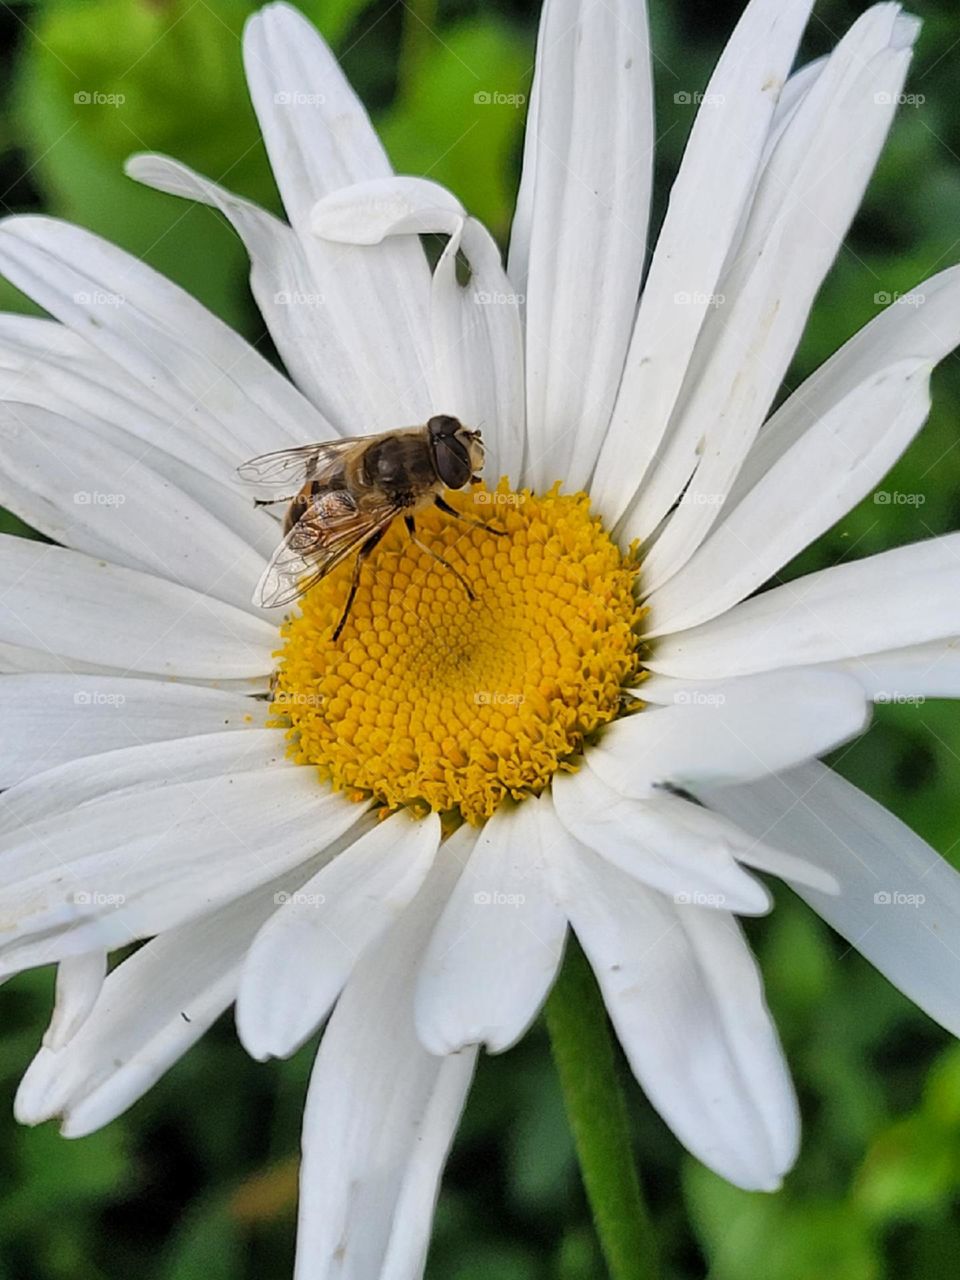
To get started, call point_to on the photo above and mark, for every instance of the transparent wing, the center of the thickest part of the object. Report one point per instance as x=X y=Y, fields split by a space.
x=323 y=537
x=290 y=469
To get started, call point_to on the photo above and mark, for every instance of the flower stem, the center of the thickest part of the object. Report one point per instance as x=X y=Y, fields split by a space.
x=583 y=1053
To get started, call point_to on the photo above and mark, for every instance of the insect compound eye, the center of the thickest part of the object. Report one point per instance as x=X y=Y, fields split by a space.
x=452 y=462
x=442 y=425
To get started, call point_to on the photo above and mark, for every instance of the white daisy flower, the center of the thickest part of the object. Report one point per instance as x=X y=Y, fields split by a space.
x=624 y=745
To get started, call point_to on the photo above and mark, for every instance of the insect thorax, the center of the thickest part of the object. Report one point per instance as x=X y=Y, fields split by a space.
x=401 y=467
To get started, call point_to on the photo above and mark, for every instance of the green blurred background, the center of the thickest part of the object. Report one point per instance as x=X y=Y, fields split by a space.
x=198 y=1180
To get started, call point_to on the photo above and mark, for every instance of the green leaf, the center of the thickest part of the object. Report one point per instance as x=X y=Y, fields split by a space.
x=333 y=18
x=796 y=959
x=909 y=1171
x=941 y=1096
x=85 y=104
x=208 y=1244
x=169 y=79
x=752 y=1236
x=57 y=1174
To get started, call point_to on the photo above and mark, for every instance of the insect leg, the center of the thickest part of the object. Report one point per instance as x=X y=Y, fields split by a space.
x=272 y=502
x=446 y=508
x=412 y=530
x=362 y=554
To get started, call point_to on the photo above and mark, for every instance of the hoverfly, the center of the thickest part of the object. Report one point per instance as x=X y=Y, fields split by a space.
x=345 y=494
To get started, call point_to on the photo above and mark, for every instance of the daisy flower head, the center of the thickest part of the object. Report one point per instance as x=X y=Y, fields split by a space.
x=394 y=829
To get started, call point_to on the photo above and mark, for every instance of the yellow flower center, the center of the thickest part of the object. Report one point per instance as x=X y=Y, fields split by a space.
x=434 y=701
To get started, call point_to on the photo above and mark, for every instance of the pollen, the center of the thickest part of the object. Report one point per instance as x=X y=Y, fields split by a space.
x=433 y=701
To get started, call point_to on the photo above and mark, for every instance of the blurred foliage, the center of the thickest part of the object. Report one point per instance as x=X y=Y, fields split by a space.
x=199 y=1178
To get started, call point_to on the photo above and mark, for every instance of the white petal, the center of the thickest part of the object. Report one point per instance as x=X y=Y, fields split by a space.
x=134 y=863
x=714 y=183
x=380 y=1116
x=797 y=87
x=922 y=325
x=696 y=820
x=305 y=953
x=132 y=1038
x=79 y=983
x=17 y=660
x=902 y=597
x=907 y=675
x=67 y=786
x=23 y=660
x=579 y=237
x=495 y=951
x=317 y=133
x=43 y=362
x=192 y=362
x=319 y=138
x=641 y=839
x=308 y=295
x=93 y=494
x=805 y=201
x=153 y=1007
x=477 y=358
x=301 y=320
x=416 y=1200
x=91 y=611
x=685 y=997
x=826 y=473
x=760 y=726
x=826 y=447
x=665 y=691
x=50 y=719
x=477 y=348
x=899 y=901
x=370 y=212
